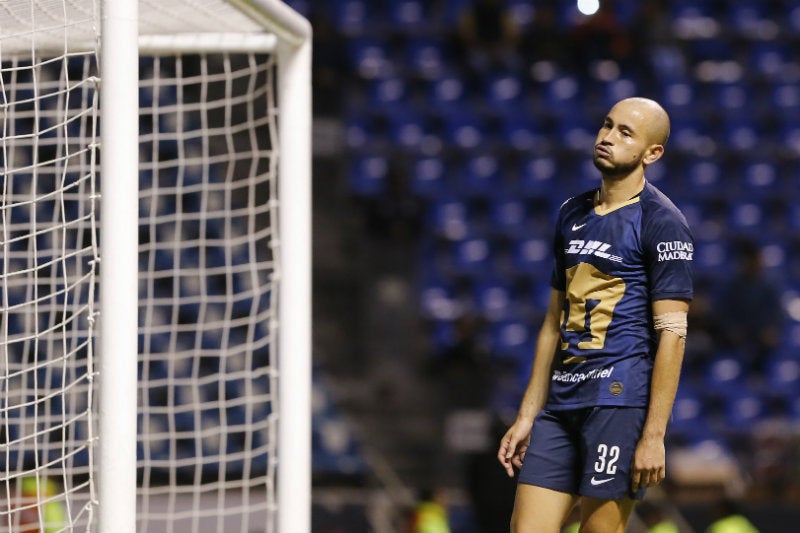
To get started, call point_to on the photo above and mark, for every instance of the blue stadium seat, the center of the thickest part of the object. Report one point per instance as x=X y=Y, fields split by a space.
x=426 y=58
x=493 y=299
x=769 y=58
x=532 y=257
x=511 y=339
x=539 y=176
x=411 y=17
x=407 y=128
x=760 y=178
x=439 y=301
x=743 y=409
x=429 y=177
x=577 y=131
x=741 y=132
x=508 y=216
x=351 y=17
x=522 y=131
x=752 y=20
x=481 y=176
x=617 y=89
x=389 y=93
x=703 y=177
x=782 y=377
x=463 y=128
x=472 y=257
x=746 y=216
x=360 y=131
x=504 y=90
x=370 y=58
x=724 y=376
x=689 y=422
x=450 y=218
x=368 y=174
x=563 y=92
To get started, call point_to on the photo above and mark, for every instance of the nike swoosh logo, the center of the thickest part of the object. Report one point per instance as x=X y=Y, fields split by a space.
x=576 y=227
x=596 y=482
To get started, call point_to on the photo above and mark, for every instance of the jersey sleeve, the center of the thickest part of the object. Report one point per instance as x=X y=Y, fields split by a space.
x=669 y=250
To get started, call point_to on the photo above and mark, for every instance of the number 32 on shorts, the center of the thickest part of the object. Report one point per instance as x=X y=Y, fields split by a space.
x=607 y=457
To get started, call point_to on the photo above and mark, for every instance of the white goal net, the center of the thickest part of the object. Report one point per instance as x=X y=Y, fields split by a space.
x=215 y=263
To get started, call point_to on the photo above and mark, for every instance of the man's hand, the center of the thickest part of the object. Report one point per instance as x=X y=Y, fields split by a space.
x=513 y=446
x=649 y=463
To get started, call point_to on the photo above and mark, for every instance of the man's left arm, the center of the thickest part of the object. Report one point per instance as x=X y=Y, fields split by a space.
x=649 y=460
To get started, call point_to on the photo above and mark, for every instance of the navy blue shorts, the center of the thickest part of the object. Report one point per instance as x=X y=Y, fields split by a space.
x=588 y=452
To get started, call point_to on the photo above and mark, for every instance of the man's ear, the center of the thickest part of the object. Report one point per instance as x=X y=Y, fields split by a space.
x=653 y=154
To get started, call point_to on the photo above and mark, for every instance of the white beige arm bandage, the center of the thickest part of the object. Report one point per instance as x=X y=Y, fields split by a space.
x=674 y=321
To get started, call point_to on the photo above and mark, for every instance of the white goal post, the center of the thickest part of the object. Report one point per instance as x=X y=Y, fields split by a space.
x=171 y=263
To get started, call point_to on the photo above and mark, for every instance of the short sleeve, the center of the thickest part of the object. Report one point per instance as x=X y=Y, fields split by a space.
x=669 y=250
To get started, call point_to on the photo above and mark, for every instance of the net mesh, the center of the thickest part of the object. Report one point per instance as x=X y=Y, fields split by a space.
x=207 y=209
x=47 y=287
x=206 y=452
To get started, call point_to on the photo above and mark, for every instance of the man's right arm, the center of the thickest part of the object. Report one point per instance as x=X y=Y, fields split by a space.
x=515 y=442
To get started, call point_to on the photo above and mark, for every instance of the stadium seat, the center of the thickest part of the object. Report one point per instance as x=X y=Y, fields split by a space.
x=503 y=91
x=539 y=176
x=511 y=339
x=450 y=218
x=351 y=17
x=746 y=216
x=446 y=93
x=723 y=377
x=522 y=131
x=782 y=377
x=370 y=58
x=368 y=174
x=463 y=129
x=429 y=177
x=481 y=176
x=389 y=93
x=508 y=216
x=408 y=16
x=532 y=257
x=439 y=300
x=743 y=409
x=472 y=257
x=406 y=127
x=689 y=423
x=360 y=131
x=426 y=58
x=760 y=178
x=493 y=299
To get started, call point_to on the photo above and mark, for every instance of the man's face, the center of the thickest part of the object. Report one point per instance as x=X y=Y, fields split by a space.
x=622 y=140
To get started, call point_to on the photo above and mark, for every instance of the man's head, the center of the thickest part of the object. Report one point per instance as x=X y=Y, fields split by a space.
x=633 y=136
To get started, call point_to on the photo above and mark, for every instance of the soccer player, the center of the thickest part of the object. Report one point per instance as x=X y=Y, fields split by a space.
x=592 y=421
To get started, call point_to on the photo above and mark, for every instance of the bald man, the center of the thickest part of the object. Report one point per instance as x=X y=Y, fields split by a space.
x=592 y=421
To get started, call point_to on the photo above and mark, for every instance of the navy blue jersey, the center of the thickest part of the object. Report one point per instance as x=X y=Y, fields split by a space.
x=611 y=268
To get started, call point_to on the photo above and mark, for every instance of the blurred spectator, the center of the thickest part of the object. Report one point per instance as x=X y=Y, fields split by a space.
x=491 y=491
x=600 y=37
x=48 y=516
x=488 y=35
x=654 y=518
x=430 y=514
x=464 y=367
x=729 y=519
x=395 y=214
x=749 y=308
x=329 y=66
x=543 y=39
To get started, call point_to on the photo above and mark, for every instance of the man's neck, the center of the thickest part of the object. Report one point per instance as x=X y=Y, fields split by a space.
x=615 y=191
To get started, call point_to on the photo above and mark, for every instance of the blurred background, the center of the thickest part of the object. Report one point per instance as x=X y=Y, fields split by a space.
x=447 y=133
